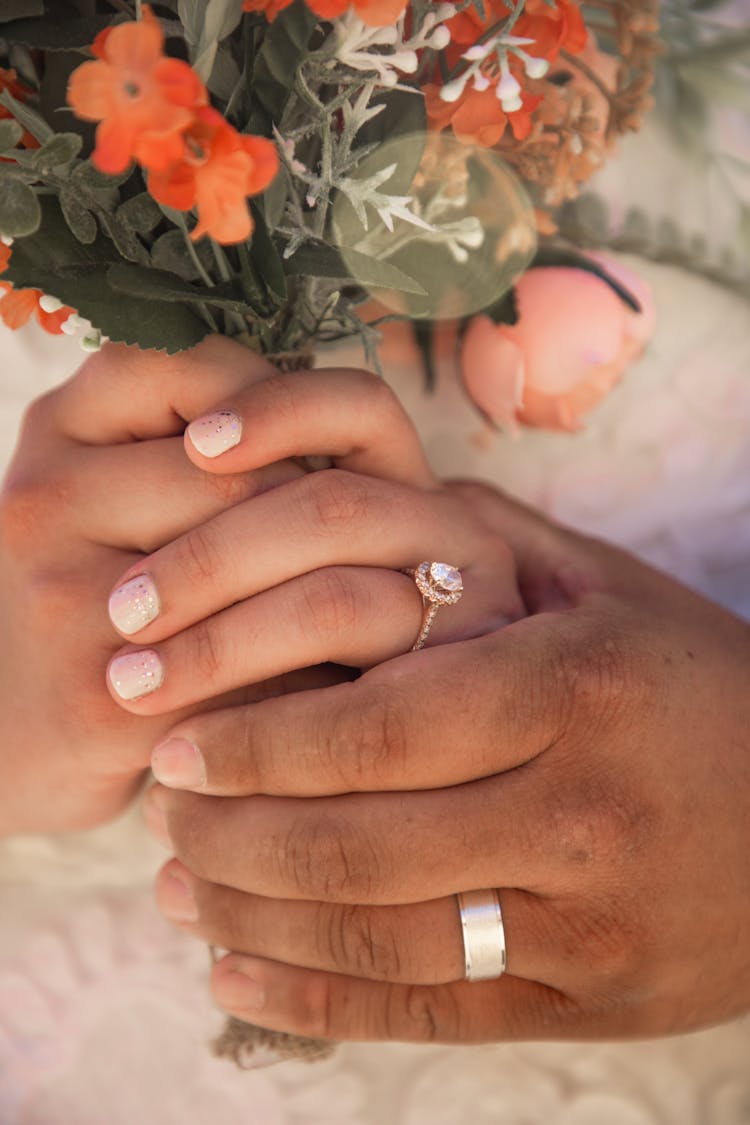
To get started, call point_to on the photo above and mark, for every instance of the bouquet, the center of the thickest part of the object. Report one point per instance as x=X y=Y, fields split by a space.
x=262 y=168
x=294 y=172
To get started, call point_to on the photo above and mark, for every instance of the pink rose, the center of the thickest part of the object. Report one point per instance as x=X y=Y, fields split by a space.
x=573 y=340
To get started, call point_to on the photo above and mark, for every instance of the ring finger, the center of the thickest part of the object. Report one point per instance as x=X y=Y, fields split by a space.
x=416 y=943
x=355 y=616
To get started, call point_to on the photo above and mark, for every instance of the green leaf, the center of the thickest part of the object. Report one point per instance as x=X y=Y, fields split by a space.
x=284 y=46
x=157 y=285
x=91 y=178
x=206 y=24
x=403 y=119
x=140 y=213
x=80 y=220
x=16 y=9
x=10 y=134
x=266 y=258
x=61 y=29
x=30 y=120
x=59 y=149
x=347 y=265
x=126 y=241
x=274 y=200
x=170 y=253
x=20 y=214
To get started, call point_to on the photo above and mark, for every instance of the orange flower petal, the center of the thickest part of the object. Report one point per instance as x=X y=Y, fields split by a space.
x=265 y=162
x=135 y=46
x=18 y=306
x=379 y=13
x=174 y=188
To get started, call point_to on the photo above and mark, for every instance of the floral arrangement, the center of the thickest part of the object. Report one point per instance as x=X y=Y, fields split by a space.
x=262 y=168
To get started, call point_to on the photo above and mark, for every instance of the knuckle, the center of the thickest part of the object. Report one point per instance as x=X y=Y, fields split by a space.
x=608 y=937
x=604 y=679
x=200 y=556
x=377 y=750
x=329 y=604
x=229 y=488
x=339 y=501
x=358 y=944
x=29 y=502
x=206 y=658
x=421 y=1013
x=329 y=859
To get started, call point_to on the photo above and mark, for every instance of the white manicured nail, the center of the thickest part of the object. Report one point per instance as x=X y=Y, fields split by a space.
x=214 y=434
x=134 y=604
x=136 y=674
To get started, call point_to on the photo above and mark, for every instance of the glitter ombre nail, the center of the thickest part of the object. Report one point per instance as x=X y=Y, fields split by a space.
x=134 y=605
x=136 y=674
x=214 y=434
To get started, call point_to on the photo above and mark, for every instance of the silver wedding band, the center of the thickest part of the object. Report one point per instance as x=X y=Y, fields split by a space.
x=483 y=933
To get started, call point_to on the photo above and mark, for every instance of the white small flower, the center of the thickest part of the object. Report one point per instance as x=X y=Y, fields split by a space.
x=49 y=304
x=6 y=240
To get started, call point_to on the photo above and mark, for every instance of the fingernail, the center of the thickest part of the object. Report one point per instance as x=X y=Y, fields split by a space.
x=176 y=900
x=155 y=817
x=179 y=764
x=236 y=991
x=214 y=434
x=136 y=674
x=134 y=604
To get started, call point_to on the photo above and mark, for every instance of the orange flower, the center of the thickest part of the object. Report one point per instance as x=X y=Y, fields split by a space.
x=375 y=13
x=17 y=306
x=478 y=117
x=9 y=82
x=143 y=100
x=220 y=168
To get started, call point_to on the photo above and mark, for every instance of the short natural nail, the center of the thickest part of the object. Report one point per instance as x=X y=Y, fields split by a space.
x=238 y=992
x=134 y=604
x=136 y=674
x=176 y=899
x=214 y=434
x=179 y=764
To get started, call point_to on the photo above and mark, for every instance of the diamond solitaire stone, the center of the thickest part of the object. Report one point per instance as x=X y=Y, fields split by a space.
x=446 y=577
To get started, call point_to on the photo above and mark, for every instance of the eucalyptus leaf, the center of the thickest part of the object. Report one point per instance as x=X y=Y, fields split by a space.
x=10 y=134
x=321 y=260
x=20 y=213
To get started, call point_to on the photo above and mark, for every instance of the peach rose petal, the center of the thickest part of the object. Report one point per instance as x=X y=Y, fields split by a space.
x=493 y=371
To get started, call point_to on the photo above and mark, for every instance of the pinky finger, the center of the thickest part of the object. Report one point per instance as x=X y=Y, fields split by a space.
x=331 y=1006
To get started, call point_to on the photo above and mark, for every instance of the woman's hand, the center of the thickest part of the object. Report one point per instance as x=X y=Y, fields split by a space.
x=591 y=761
x=310 y=572
x=99 y=479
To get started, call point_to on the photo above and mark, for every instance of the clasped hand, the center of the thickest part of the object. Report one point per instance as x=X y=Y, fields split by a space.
x=575 y=735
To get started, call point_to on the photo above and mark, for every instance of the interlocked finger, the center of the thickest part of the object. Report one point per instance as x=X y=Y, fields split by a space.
x=416 y=943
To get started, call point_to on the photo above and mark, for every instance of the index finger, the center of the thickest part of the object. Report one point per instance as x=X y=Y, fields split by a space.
x=125 y=394
x=447 y=715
